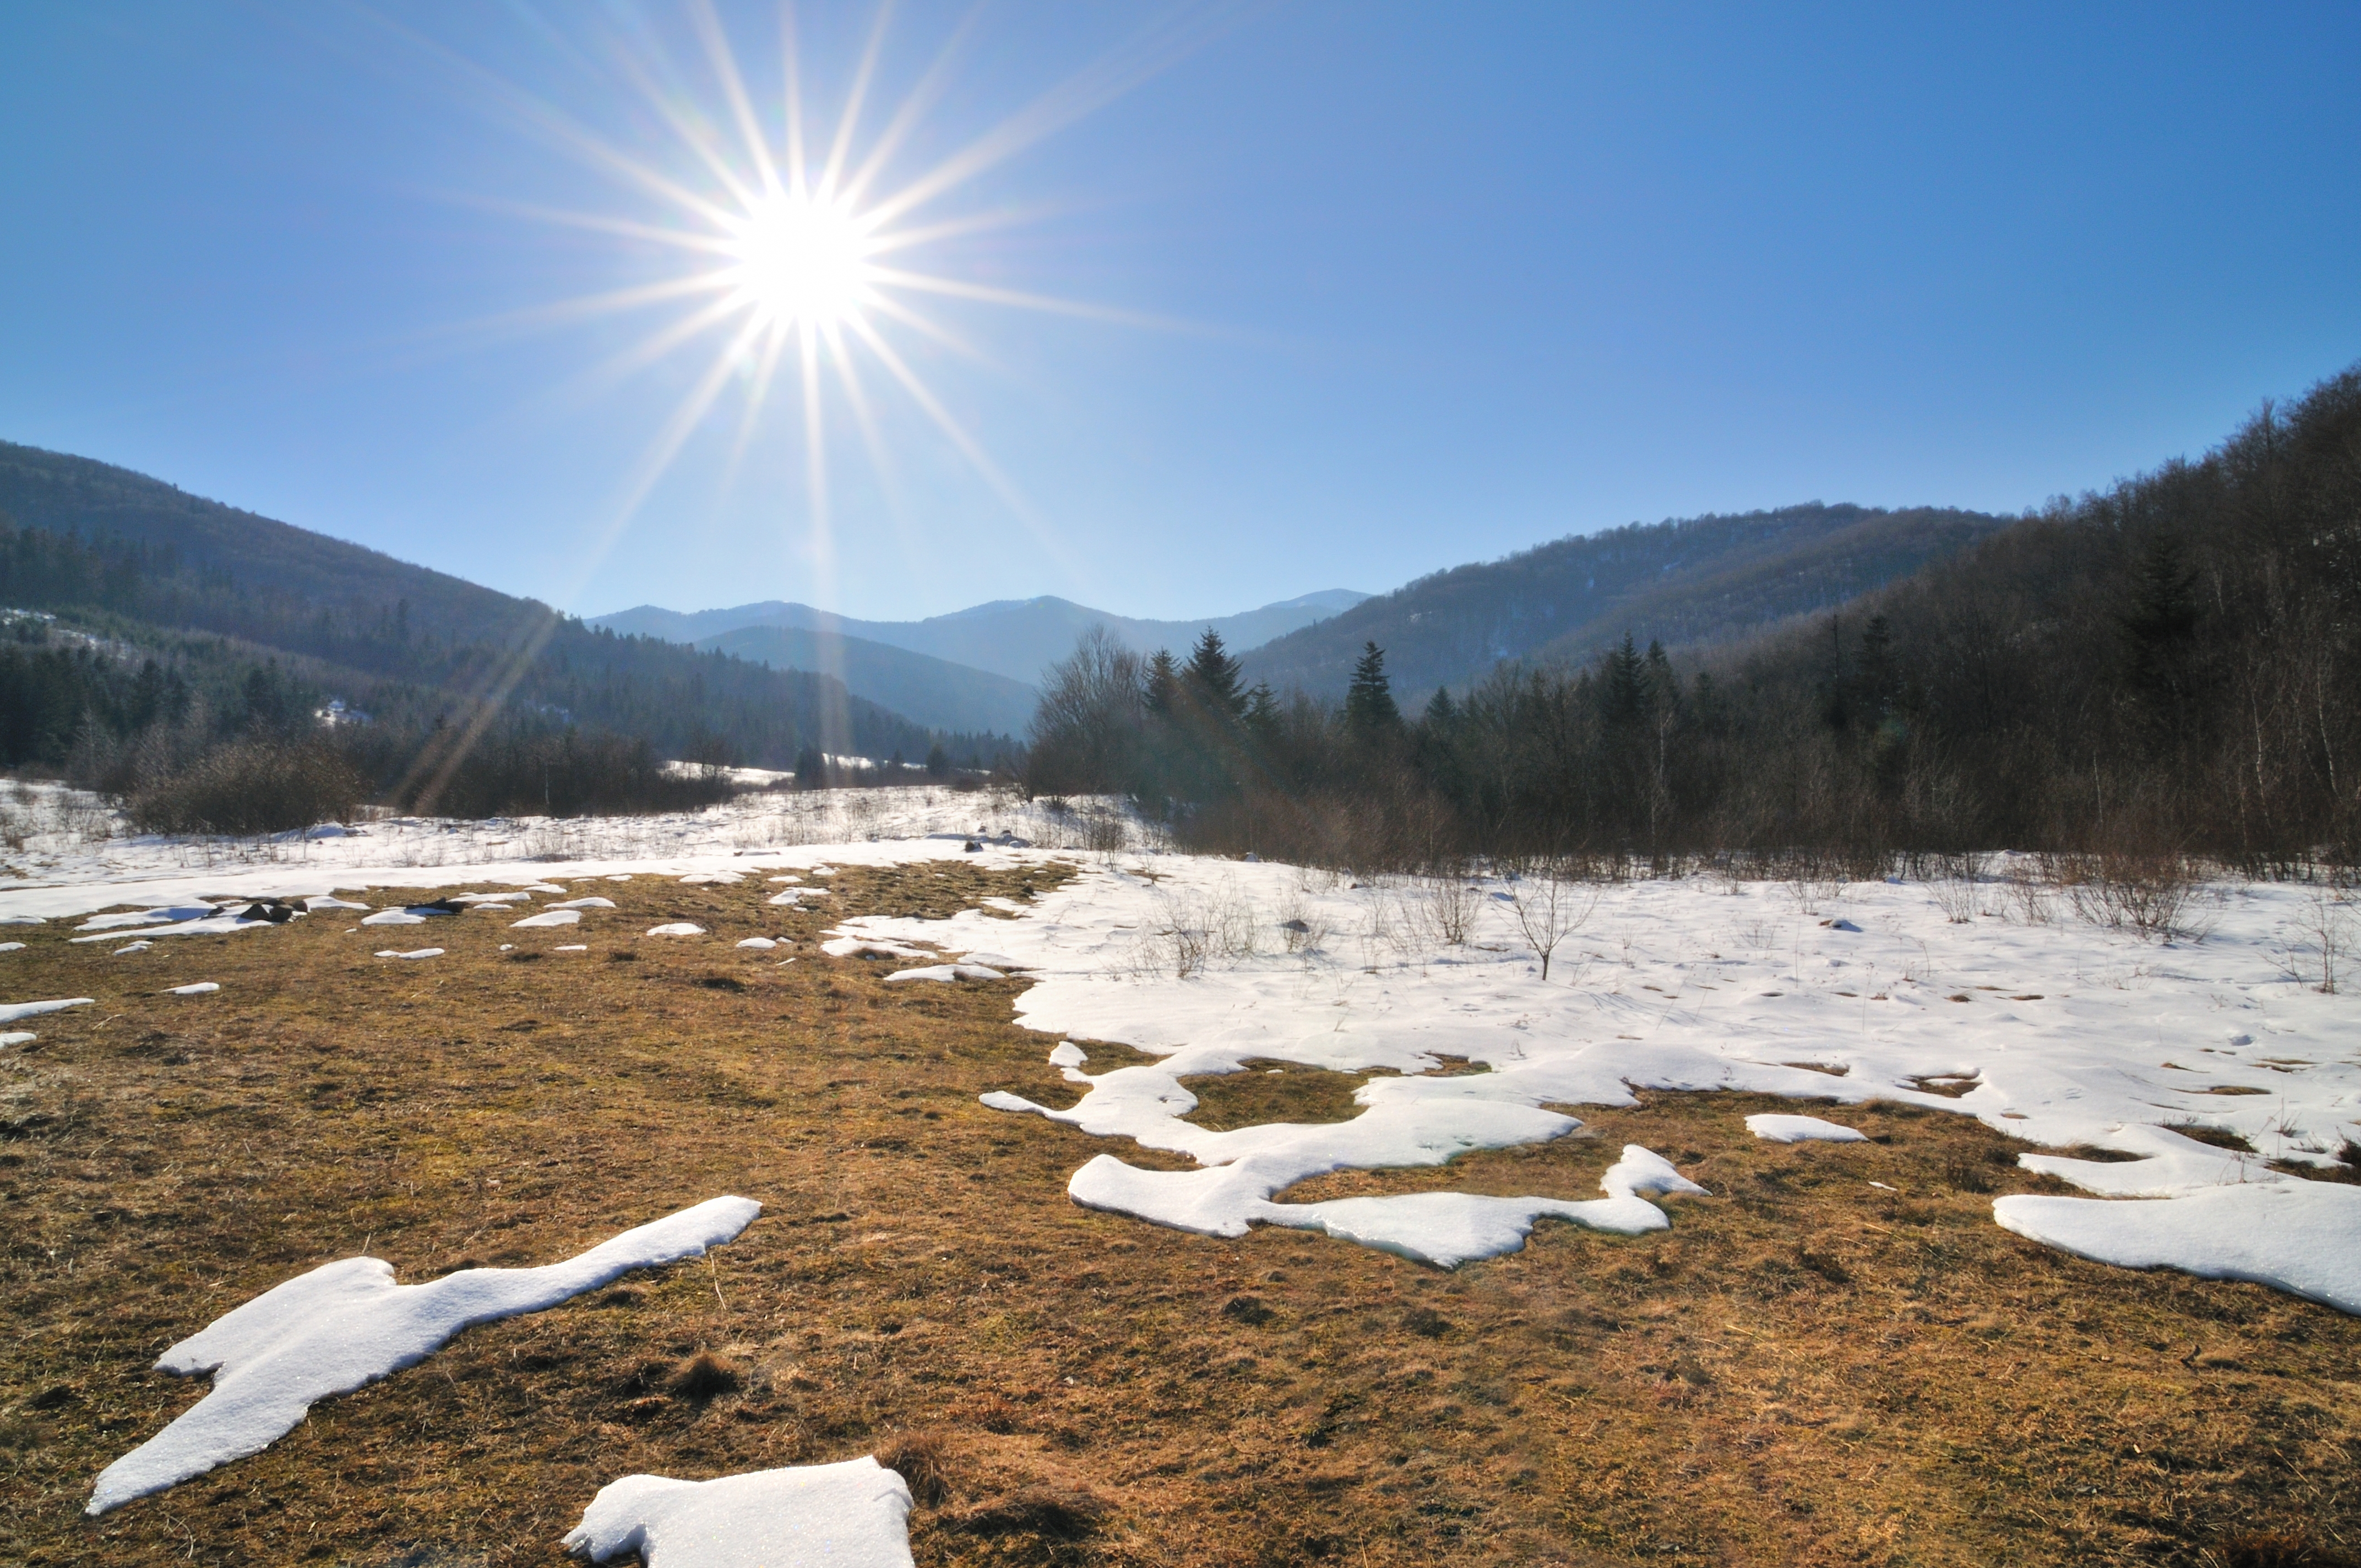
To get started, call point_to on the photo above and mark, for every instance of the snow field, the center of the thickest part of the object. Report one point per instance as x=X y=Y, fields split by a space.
x=347 y=1324
x=2062 y=1035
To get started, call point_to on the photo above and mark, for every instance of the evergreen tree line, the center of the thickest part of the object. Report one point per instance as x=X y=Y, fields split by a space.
x=2171 y=667
x=140 y=685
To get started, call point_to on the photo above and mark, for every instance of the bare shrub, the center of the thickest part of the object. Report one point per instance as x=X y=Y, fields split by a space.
x=251 y=786
x=1954 y=881
x=2153 y=894
x=2027 y=887
x=2327 y=920
x=1301 y=928
x=1448 y=905
x=1550 y=900
x=1199 y=927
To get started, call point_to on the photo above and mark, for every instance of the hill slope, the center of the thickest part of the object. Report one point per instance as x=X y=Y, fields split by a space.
x=1015 y=639
x=158 y=563
x=1705 y=579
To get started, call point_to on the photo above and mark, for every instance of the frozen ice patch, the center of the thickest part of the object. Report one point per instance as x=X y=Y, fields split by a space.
x=1802 y=1130
x=347 y=1324
x=852 y=1515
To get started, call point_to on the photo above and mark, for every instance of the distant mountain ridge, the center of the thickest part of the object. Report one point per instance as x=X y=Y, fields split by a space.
x=1015 y=639
x=922 y=688
x=1702 y=580
x=393 y=636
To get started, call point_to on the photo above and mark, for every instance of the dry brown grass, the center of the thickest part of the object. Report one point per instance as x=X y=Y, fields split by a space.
x=1806 y=1369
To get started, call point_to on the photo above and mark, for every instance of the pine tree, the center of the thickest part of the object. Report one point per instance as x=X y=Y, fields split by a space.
x=1214 y=678
x=1623 y=688
x=1163 y=686
x=1438 y=709
x=1369 y=700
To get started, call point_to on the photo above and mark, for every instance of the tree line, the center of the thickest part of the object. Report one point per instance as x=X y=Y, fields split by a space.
x=2171 y=666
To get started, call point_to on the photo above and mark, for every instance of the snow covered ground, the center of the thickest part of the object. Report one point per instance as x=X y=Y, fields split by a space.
x=2061 y=1033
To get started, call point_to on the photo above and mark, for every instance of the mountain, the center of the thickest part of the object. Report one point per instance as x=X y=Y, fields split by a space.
x=1703 y=580
x=924 y=689
x=154 y=567
x=1015 y=639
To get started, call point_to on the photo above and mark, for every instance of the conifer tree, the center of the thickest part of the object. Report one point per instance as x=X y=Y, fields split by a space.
x=1214 y=678
x=1623 y=688
x=1438 y=709
x=1163 y=686
x=1369 y=700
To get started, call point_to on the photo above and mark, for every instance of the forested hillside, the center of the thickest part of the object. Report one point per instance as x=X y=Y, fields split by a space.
x=1707 y=579
x=2171 y=667
x=180 y=654
x=155 y=565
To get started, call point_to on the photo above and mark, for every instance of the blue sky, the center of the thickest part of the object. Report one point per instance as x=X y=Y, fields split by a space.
x=1384 y=288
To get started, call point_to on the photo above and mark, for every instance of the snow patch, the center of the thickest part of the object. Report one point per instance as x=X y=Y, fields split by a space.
x=545 y=919
x=11 y=1011
x=948 y=973
x=2304 y=1237
x=850 y=1515
x=678 y=929
x=1802 y=1130
x=347 y=1324
x=202 y=988
x=413 y=953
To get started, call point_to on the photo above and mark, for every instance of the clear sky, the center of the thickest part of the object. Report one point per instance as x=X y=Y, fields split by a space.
x=1373 y=289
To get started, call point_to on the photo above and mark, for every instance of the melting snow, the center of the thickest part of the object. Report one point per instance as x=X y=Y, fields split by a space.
x=2304 y=1237
x=852 y=1515
x=945 y=973
x=347 y=1324
x=1802 y=1129
x=11 y=1011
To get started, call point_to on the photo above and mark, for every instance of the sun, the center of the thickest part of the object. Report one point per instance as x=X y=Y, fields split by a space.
x=800 y=260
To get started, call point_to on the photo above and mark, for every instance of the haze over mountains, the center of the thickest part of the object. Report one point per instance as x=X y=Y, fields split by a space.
x=1015 y=639
x=764 y=681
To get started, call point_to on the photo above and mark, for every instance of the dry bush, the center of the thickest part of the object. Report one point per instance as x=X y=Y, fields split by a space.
x=1550 y=900
x=2153 y=894
x=1302 y=928
x=1956 y=885
x=1449 y=903
x=252 y=786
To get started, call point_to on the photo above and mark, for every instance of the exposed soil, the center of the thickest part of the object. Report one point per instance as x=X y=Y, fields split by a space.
x=1808 y=1369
